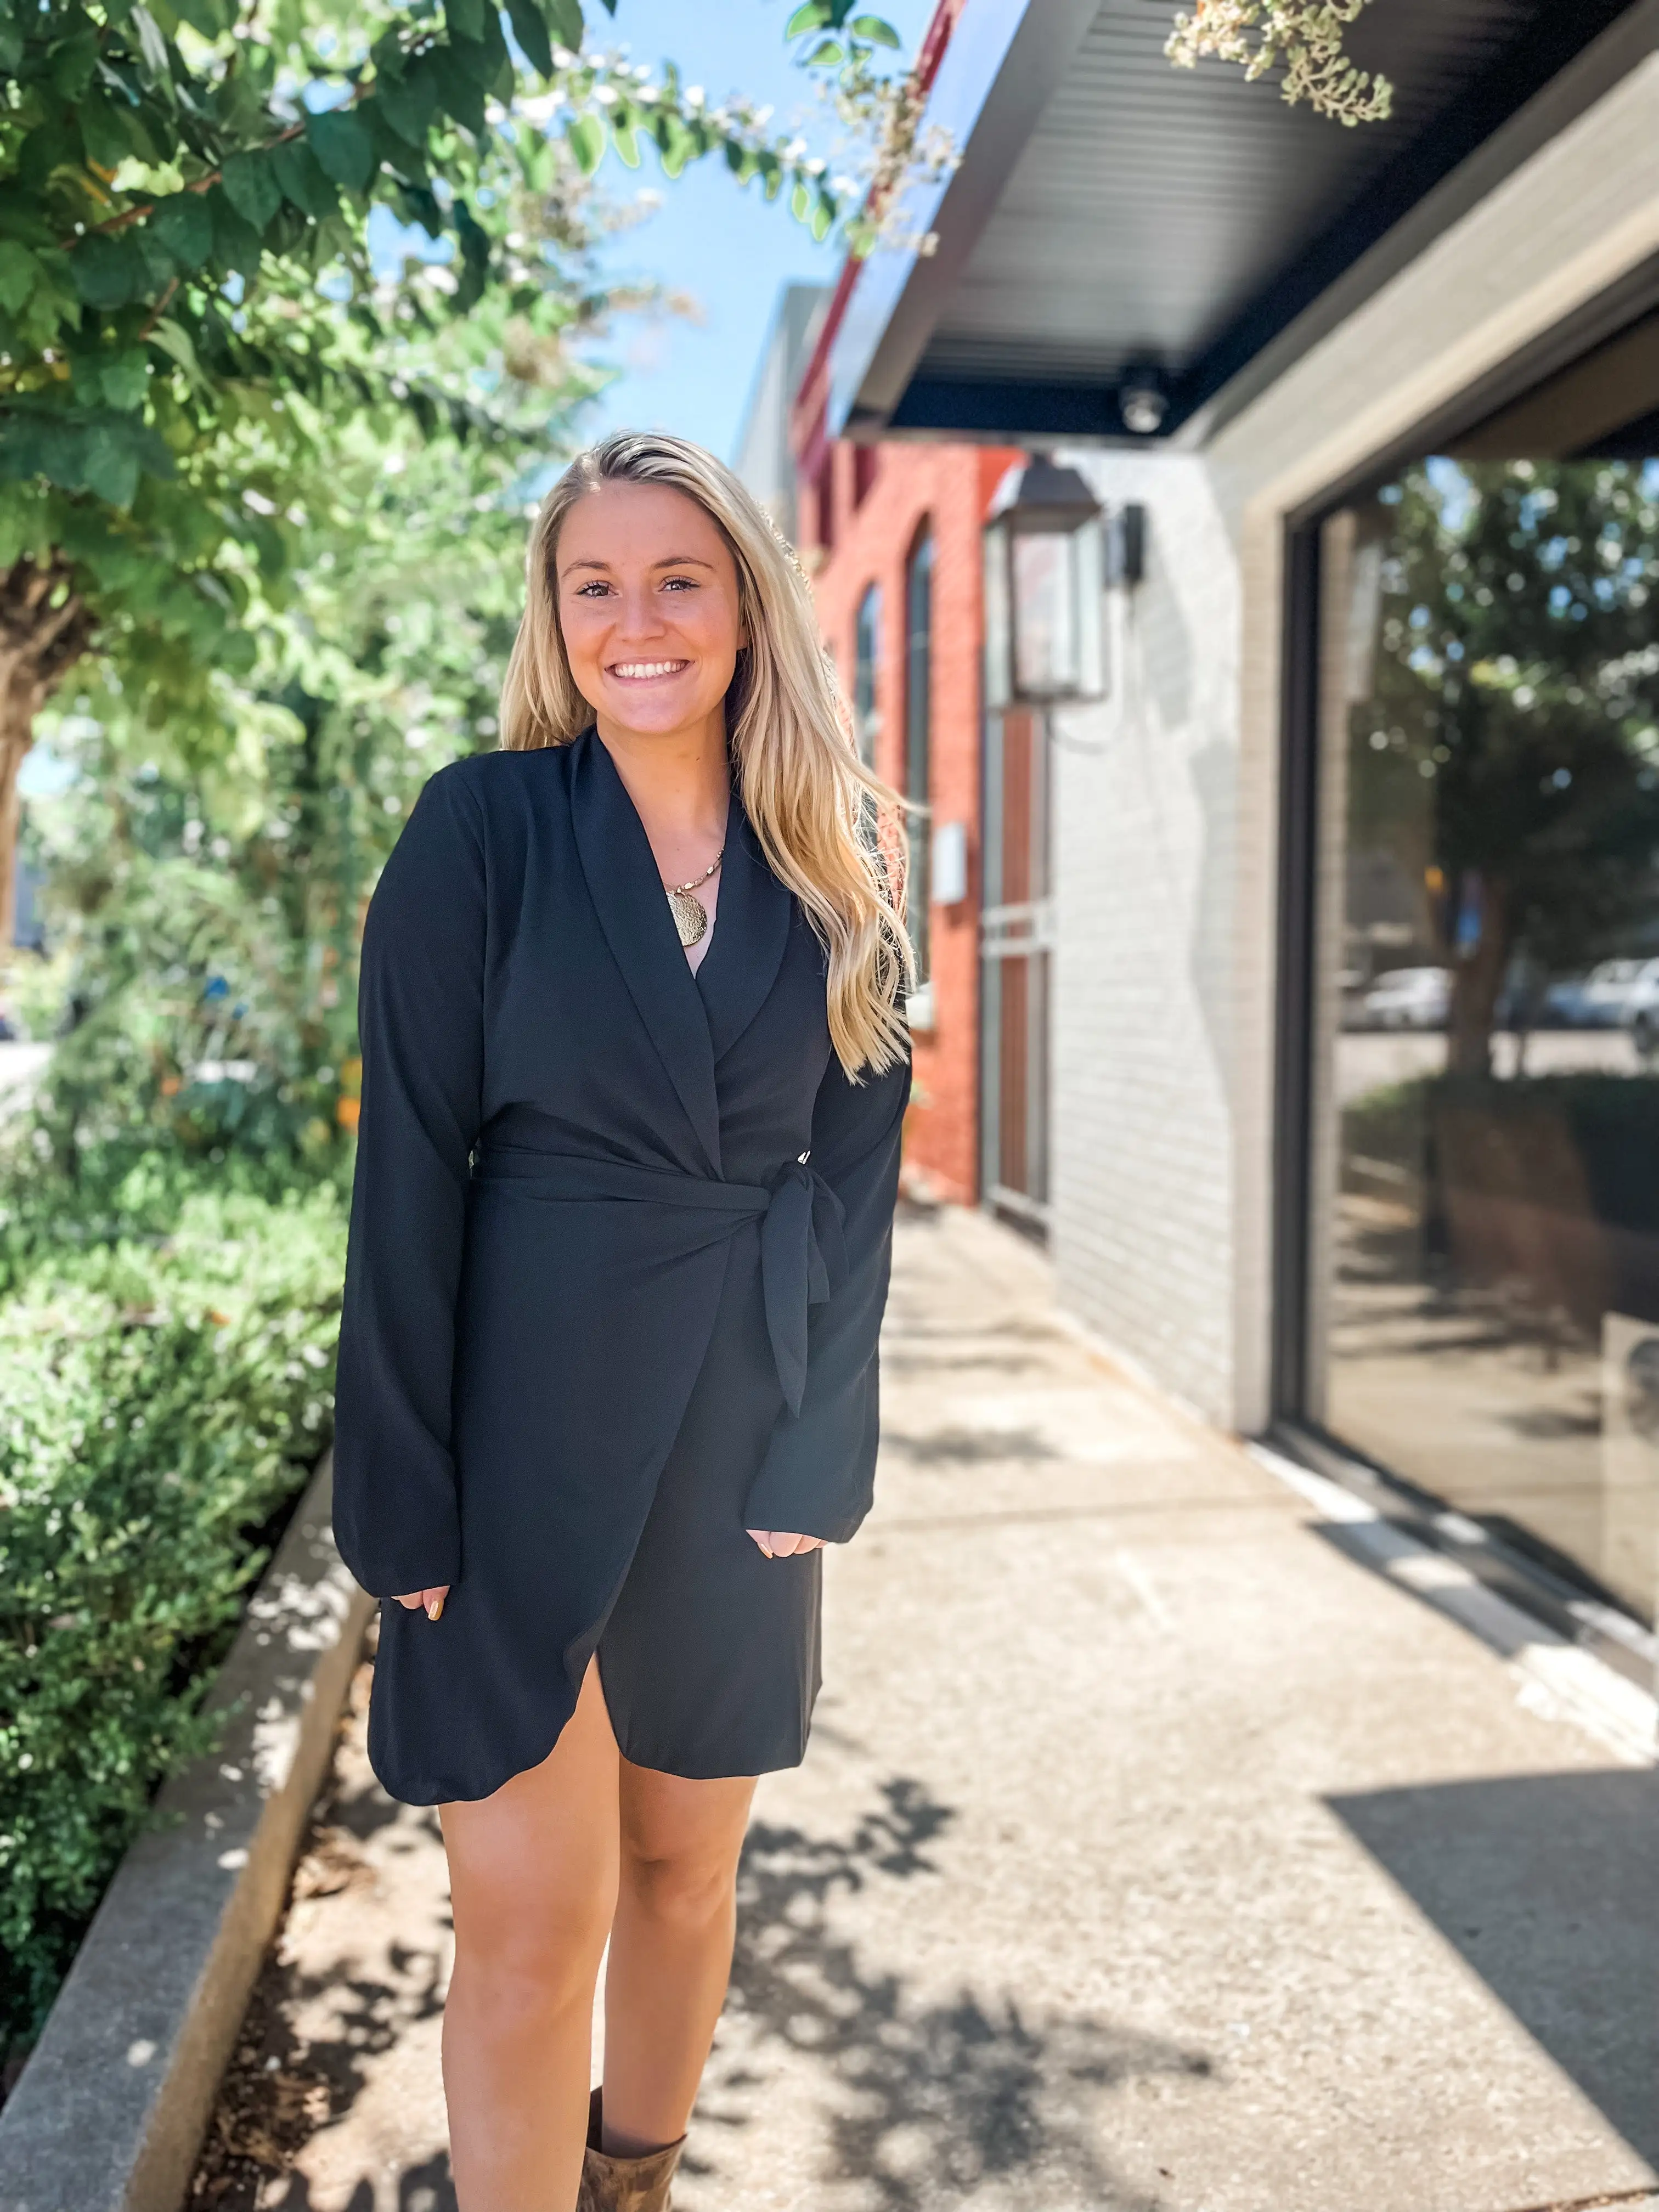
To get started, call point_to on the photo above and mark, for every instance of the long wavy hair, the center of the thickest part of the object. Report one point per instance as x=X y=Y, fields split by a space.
x=831 y=830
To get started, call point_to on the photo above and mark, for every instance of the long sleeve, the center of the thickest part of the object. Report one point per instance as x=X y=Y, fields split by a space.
x=421 y=1022
x=819 y=1469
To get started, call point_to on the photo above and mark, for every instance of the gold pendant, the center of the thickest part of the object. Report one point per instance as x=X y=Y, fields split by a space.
x=690 y=917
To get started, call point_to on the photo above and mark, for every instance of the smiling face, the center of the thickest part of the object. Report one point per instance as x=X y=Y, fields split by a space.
x=648 y=606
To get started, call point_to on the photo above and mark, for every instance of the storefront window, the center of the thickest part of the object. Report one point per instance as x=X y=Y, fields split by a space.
x=1485 y=1263
x=918 y=734
x=866 y=657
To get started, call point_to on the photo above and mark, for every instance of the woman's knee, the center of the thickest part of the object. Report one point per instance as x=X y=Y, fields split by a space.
x=535 y=1960
x=687 y=1890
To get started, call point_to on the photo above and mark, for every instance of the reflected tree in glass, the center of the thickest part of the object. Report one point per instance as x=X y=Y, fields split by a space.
x=1517 y=671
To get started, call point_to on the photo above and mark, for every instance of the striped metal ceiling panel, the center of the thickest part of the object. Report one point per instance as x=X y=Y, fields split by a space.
x=1153 y=205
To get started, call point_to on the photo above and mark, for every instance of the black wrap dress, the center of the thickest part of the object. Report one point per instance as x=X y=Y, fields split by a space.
x=619 y=1251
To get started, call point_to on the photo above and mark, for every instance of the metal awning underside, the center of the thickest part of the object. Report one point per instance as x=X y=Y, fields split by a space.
x=1112 y=213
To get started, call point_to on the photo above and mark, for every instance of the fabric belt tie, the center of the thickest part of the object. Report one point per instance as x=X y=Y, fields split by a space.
x=803 y=1246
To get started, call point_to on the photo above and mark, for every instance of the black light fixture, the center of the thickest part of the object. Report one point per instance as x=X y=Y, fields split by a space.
x=1045 y=640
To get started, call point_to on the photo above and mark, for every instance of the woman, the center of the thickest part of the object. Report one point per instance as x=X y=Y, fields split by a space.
x=635 y=1065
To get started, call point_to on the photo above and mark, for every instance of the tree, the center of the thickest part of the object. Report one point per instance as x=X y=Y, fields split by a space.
x=189 y=314
x=1519 y=681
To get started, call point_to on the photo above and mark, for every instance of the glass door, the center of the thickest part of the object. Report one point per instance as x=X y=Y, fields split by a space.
x=1016 y=947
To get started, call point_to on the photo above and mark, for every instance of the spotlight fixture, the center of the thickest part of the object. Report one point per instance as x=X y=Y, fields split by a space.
x=1141 y=403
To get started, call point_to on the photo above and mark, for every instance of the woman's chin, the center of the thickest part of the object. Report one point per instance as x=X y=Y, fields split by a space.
x=654 y=709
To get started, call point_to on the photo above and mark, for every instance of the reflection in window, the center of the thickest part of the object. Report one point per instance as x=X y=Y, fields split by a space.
x=866 y=647
x=918 y=727
x=1486 y=1231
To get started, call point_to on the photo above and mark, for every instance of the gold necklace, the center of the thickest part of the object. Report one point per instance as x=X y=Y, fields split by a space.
x=691 y=914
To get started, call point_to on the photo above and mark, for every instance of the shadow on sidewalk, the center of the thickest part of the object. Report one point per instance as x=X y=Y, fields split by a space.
x=926 y=2103
x=897 y=2104
x=1544 y=1884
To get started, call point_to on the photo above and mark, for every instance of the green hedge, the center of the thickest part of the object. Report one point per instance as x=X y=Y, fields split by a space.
x=162 y=1400
x=1586 y=1141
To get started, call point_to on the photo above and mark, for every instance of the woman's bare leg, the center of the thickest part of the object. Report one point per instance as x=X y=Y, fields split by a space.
x=671 y=1950
x=534 y=1881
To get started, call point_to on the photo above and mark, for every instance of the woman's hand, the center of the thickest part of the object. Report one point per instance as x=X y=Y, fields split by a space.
x=783 y=1543
x=428 y=1602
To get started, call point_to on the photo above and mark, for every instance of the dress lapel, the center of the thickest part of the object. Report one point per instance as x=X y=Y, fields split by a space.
x=627 y=893
x=751 y=928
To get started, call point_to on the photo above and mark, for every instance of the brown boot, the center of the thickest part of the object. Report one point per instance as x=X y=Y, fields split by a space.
x=624 y=2185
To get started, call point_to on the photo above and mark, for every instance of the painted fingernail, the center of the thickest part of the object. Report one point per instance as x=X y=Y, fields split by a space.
x=434 y=1608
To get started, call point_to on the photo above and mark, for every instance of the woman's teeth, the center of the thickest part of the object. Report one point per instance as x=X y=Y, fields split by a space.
x=637 y=669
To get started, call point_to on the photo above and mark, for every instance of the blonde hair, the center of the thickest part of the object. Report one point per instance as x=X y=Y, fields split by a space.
x=832 y=832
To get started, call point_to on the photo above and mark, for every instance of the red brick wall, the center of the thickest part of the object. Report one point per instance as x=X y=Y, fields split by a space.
x=950 y=488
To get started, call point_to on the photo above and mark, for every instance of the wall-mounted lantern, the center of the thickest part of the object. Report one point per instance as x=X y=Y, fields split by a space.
x=1044 y=630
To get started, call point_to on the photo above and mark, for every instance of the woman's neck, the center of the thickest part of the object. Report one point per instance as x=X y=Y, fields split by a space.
x=679 y=781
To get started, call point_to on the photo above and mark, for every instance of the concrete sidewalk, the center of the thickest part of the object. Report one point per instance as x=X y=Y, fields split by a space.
x=1153 y=1855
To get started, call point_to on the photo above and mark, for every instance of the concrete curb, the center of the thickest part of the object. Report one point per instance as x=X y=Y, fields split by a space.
x=109 y=2112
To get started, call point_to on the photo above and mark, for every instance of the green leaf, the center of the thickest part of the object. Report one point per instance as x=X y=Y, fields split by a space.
x=812 y=17
x=565 y=19
x=876 y=29
x=108 y=272
x=626 y=142
x=823 y=218
x=410 y=103
x=530 y=32
x=153 y=46
x=126 y=380
x=104 y=130
x=236 y=244
x=303 y=183
x=18 y=271
x=343 y=147
x=72 y=64
x=461 y=72
x=585 y=136
x=183 y=223
x=466 y=19
x=210 y=17
x=826 y=54
x=800 y=201
x=251 y=188
x=111 y=466
x=175 y=341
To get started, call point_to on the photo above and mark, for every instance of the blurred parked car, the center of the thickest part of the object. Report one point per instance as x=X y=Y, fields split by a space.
x=1408 y=999
x=1599 y=1000
x=1642 y=1010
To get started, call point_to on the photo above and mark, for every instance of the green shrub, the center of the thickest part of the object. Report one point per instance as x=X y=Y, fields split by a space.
x=1515 y=1134
x=160 y=1402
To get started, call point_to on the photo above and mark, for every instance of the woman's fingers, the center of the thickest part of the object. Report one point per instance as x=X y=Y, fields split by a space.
x=784 y=1543
x=428 y=1602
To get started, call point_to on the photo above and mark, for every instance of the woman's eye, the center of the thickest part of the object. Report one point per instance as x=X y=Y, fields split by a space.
x=594 y=590
x=679 y=584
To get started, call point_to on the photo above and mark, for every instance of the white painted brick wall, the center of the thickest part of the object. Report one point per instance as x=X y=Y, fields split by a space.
x=1146 y=848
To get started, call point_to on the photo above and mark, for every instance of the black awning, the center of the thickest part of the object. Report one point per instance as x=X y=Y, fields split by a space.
x=1115 y=220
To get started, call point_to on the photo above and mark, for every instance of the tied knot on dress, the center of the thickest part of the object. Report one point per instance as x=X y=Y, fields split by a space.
x=803 y=1264
x=802 y=1226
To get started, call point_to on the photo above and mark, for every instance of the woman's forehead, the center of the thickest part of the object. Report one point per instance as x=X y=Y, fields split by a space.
x=641 y=523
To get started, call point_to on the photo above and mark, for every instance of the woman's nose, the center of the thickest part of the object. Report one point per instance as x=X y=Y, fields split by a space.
x=641 y=615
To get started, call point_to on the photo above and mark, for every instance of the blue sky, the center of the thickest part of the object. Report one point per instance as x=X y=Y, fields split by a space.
x=726 y=248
